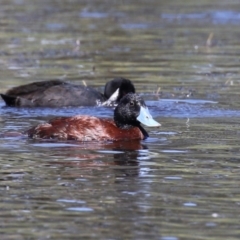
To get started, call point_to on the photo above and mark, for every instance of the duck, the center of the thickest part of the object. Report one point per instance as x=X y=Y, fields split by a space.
x=57 y=93
x=130 y=112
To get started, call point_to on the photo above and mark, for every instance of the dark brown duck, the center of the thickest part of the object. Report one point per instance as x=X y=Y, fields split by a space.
x=57 y=93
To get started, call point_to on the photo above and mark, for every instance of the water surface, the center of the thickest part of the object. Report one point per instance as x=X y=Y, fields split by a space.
x=182 y=182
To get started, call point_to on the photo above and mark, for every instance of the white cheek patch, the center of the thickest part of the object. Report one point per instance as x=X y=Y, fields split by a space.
x=112 y=99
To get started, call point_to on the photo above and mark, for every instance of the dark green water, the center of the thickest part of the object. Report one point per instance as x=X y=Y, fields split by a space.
x=182 y=182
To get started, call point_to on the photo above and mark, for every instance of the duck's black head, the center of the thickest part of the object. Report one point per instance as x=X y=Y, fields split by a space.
x=131 y=111
x=122 y=85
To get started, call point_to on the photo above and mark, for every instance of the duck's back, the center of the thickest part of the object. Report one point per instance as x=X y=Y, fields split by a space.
x=83 y=128
x=53 y=93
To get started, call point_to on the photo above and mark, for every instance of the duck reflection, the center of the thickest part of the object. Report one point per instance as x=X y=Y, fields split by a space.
x=115 y=154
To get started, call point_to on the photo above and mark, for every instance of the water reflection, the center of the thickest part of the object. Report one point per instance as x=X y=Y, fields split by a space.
x=87 y=14
x=94 y=154
x=216 y=17
x=159 y=107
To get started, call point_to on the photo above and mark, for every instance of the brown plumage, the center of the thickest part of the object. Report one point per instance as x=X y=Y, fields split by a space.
x=84 y=128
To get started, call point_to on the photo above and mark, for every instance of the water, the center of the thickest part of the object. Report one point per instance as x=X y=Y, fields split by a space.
x=182 y=182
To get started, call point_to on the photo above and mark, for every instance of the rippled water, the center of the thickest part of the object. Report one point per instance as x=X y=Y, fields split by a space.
x=182 y=182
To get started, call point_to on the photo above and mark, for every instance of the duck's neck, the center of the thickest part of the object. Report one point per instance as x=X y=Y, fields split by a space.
x=144 y=132
x=129 y=126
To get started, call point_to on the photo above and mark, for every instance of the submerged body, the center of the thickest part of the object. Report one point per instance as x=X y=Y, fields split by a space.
x=128 y=114
x=57 y=93
x=84 y=128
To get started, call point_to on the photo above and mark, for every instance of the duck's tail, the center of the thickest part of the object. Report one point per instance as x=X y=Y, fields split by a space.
x=9 y=100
